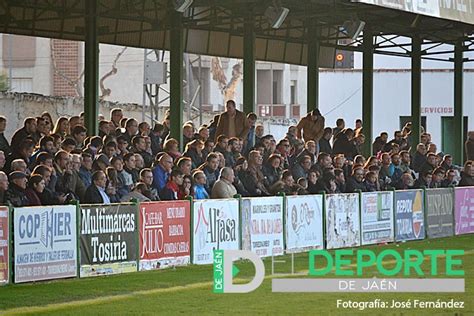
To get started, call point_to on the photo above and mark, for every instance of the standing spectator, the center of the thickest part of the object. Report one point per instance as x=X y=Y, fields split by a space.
x=324 y=144
x=259 y=131
x=313 y=127
x=232 y=122
x=95 y=193
x=3 y=187
x=340 y=125
x=344 y=144
x=249 y=142
x=470 y=145
x=379 y=143
x=171 y=189
x=358 y=124
x=28 y=129
x=199 y=185
x=36 y=186
x=224 y=188
x=4 y=144
x=2 y=160
x=16 y=193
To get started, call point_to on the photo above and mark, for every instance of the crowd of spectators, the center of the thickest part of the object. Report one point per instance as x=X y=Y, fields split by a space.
x=48 y=163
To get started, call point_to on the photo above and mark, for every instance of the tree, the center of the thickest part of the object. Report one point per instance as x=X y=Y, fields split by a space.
x=4 y=83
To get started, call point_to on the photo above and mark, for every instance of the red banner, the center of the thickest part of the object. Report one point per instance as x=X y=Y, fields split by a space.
x=4 y=243
x=164 y=234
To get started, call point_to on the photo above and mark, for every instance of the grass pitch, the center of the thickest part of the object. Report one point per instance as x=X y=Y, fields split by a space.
x=189 y=290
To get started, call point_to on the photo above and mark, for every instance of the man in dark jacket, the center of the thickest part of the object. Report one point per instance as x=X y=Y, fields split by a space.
x=419 y=158
x=28 y=129
x=4 y=145
x=210 y=169
x=467 y=175
x=95 y=193
x=16 y=194
x=3 y=187
x=171 y=189
x=356 y=181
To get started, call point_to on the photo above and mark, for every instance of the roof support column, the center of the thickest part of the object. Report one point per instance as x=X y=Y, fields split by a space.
x=368 y=91
x=415 y=92
x=312 y=72
x=91 y=70
x=176 y=78
x=458 y=103
x=249 y=65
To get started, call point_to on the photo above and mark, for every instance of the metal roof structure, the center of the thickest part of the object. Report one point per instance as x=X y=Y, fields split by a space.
x=216 y=27
x=238 y=28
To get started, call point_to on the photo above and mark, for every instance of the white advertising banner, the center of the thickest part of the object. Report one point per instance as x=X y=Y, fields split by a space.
x=377 y=217
x=215 y=226
x=262 y=223
x=304 y=222
x=342 y=220
x=45 y=243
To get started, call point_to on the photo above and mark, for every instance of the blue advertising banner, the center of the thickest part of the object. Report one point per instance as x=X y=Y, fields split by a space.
x=409 y=215
x=45 y=243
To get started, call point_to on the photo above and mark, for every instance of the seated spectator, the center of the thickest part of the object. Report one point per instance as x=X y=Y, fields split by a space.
x=240 y=166
x=430 y=164
x=2 y=160
x=301 y=168
x=186 y=189
x=286 y=184
x=272 y=170
x=171 y=189
x=312 y=182
x=19 y=165
x=139 y=147
x=138 y=193
x=340 y=180
x=437 y=177
x=185 y=165
x=3 y=187
x=199 y=185
x=171 y=147
x=85 y=171
x=252 y=178
x=424 y=180
x=131 y=172
x=303 y=186
x=447 y=163
x=224 y=188
x=79 y=134
x=419 y=158
x=194 y=151
x=450 y=178
x=162 y=172
x=23 y=151
x=210 y=169
x=356 y=181
x=68 y=145
x=16 y=193
x=343 y=144
x=36 y=186
x=406 y=182
x=95 y=193
x=467 y=175
x=110 y=149
x=379 y=143
x=371 y=182
x=146 y=177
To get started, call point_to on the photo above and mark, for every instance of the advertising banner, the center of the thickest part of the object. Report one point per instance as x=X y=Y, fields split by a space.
x=304 y=222
x=342 y=220
x=164 y=234
x=215 y=226
x=377 y=217
x=262 y=222
x=439 y=212
x=45 y=243
x=4 y=245
x=409 y=215
x=464 y=210
x=108 y=239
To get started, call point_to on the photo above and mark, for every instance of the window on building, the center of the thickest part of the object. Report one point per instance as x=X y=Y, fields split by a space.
x=22 y=84
x=293 y=89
